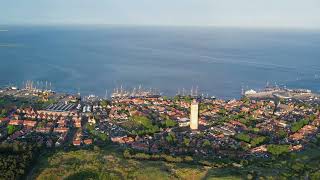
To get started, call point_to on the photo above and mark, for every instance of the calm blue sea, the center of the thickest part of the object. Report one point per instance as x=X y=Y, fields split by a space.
x=217 y=60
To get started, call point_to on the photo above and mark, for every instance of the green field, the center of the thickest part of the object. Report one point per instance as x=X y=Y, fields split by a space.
x=108 y=163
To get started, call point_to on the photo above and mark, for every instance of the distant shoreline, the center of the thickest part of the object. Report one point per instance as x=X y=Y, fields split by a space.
x=9 y=45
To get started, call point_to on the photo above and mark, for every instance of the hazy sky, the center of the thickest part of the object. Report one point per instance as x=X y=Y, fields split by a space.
x=256 y=13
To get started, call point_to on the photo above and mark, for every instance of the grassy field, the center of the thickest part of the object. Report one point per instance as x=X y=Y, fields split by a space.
x=108 y=163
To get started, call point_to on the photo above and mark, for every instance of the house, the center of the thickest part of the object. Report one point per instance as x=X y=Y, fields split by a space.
x=88 y=141
x=303 y=132
x=118 y=139
x=4 y=120
x=184 y=122
x=77 y=123
x=76 y=142
x=138 y=101
x=61 y=130
x=16 y=122
x=16 y=117
x=296 y=147
x=245 y=109
x=29 y=123
x=296 y=136
x=259 y=149
x=43 y=130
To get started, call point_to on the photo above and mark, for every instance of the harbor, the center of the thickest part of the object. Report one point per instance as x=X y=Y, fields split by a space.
x=282 y=93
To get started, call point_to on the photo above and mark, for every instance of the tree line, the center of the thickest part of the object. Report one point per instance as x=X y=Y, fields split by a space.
x=15 y=159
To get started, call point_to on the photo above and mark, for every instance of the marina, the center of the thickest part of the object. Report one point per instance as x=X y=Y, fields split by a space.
x=283 y=92
x=135 y=92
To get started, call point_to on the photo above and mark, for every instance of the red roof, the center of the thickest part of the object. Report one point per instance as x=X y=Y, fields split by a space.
x=4 y=119
x=88 y=141
x=29 y=123
x=16 y=122
x=76 y=142
x=61 y=130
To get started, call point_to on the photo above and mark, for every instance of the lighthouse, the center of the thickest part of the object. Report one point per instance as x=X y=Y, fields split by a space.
x=194 y=115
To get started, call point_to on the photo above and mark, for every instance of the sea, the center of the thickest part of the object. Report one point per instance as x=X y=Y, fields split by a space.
x=220 y=62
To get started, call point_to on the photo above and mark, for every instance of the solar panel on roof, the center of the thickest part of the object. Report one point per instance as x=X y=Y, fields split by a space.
x=49 y=106
x=69 y=107
x=58 y=107
x=63 y=108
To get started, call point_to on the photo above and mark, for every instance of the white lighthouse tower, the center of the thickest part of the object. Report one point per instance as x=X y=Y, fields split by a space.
x=194 y=119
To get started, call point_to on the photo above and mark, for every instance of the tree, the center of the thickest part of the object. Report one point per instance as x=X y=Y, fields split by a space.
x=172 y=159
x=277 y=149
x=104 y=103
x=243 y=137
x=187 y=99
x=146 y=125
x=90 y=127
x=315 y=175
x=257 y=141
x=15 y=158
x=127 y=154
x=3 y=113
x=186 y=141
x=170 y=123
x=245 y=100
x=102 y=136
x=11 y=129
x=222 y=112
x=206 y=144
x=298 y=125
x=144 y=121
x=176 y=98
x=312 y=117
x=282 y=133
x=96 y=148
x=171 y=138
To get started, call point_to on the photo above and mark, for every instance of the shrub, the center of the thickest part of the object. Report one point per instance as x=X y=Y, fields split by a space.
x=278 y=149
x=298 y=125
x=188 y=158
x=142 y=156
x=243 y=137
x=257 y=141
x=127 y=154
x=11 y=129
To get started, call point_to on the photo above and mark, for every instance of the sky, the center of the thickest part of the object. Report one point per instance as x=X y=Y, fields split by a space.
x=237 y=13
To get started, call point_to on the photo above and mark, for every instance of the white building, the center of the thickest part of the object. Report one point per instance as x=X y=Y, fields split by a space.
x=250 y=92
x=184 y=122
x=194 y=115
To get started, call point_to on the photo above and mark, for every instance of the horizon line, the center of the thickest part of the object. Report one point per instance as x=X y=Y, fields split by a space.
x=162 y=25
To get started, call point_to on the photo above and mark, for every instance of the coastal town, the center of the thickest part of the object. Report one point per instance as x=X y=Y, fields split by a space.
x=259 y=124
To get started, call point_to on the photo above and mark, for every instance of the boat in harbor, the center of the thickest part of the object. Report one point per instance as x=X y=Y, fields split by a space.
x=135 y=92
